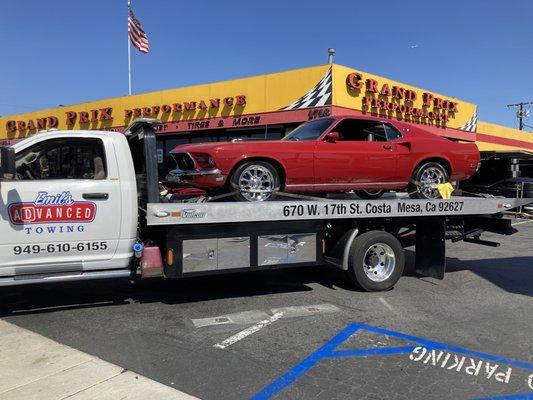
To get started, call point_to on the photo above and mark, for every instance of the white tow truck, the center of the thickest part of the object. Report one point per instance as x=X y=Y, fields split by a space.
x=78 y=205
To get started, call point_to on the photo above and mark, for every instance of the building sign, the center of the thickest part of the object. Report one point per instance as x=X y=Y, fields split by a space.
x=32 y=124
x=84 y=117
x=153 y=111
x=397 y=100
x=173 y=111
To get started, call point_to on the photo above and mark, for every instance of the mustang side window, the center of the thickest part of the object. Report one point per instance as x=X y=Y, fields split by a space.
x=362 y=130
x=392 y=132
x=311 y=130
x=62 y=159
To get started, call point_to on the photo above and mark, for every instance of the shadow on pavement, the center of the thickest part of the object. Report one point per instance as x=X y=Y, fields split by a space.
x=42 y=298
x=512 y=274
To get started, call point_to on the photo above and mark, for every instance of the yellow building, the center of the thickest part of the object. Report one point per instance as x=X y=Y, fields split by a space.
x=268 y=106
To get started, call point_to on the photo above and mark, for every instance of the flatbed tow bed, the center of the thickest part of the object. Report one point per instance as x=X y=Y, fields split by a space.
x=207 y=238
x=365 y=238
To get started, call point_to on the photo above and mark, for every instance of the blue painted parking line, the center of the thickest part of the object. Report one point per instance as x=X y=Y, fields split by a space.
x=328 y=351
x=517 y=396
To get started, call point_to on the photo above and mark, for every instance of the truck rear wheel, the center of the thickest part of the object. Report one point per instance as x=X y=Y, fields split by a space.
x=376 y=261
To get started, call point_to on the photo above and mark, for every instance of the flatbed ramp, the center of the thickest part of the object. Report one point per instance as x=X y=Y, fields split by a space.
x=209 y=213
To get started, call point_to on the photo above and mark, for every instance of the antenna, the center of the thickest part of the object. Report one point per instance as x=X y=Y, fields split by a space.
x=331 y=53
x=521 y=113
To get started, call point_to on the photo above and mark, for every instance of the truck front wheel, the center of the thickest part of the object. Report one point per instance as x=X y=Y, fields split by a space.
x=376 y=261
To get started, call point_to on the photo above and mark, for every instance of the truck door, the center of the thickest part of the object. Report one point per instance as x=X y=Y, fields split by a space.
x=62 y=213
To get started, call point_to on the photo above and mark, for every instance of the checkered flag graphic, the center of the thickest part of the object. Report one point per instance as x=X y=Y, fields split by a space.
x=319 y=95
x=471 y=124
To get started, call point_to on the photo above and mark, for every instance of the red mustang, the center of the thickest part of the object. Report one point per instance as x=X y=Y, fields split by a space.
x=365 y=154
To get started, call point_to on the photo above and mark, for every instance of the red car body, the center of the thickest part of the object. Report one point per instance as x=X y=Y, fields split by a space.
x=323 y=164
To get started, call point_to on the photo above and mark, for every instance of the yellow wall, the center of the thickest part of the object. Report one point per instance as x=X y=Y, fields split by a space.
x=263 y=93
x=504 y=132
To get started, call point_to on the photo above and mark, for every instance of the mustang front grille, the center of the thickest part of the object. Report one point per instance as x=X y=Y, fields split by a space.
x=184 y=161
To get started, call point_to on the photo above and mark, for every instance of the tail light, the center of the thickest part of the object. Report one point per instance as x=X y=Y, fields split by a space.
x=475 y=166
x=151 y=262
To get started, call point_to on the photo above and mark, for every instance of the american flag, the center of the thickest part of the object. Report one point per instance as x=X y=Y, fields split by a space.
x=136 y=33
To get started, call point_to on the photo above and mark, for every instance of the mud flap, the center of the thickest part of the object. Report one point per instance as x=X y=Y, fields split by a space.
x=431 y=247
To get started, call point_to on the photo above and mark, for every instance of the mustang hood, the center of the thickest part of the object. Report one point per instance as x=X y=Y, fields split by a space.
x=201 y=147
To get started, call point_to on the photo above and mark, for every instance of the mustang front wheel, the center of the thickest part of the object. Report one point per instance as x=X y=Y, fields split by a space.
x=255 y=181
x=424 y=180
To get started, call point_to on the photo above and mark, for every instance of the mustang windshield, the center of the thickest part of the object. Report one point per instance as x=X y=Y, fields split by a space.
x=310 y=130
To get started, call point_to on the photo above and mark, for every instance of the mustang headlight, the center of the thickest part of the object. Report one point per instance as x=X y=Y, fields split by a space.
x=203 y=160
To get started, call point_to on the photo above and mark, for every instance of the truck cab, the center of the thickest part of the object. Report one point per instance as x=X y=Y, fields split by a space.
x=70 y=210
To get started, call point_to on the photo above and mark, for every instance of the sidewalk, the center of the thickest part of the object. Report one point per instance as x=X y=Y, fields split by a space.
x=35 y=367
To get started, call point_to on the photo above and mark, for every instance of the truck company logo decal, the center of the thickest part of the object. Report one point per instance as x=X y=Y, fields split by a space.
x=52 y=208
x=188 y=213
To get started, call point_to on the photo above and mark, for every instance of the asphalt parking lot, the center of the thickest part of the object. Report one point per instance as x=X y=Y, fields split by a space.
x=305 y=333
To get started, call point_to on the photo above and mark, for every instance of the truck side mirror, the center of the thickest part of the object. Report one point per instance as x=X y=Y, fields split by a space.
x=7 y=162
x=332 y=137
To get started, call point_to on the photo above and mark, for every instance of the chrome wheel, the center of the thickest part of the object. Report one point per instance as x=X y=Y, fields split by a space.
x=256 y=183
x=379 y=262
x=430 y=177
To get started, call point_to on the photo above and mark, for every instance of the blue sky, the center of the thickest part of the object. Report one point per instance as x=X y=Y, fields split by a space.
x=70 y=51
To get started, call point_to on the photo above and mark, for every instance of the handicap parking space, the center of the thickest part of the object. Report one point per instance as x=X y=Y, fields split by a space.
x=305 y=333
x=386 y=360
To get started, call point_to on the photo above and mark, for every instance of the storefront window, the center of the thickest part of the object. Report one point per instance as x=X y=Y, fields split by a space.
x=203 y=138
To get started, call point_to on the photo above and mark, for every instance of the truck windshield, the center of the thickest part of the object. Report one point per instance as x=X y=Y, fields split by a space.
x=310 y=130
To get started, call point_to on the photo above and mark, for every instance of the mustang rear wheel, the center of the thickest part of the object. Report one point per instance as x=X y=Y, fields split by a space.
x=255 y=181
x=424 y=179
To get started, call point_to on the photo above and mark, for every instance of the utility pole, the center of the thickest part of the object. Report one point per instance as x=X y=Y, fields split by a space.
x=521 y=113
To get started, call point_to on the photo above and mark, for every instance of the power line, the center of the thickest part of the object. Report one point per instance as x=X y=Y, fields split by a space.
x=521 y=113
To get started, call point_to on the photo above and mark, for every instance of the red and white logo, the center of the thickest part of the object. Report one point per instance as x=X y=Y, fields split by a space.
x=48 y=208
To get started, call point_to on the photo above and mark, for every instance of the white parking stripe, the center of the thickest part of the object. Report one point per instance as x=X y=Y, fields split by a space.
x=386 y=303
x=253 y=316
x=247 y=332
x=303 y=311
x=244 y=317
x=522 y=222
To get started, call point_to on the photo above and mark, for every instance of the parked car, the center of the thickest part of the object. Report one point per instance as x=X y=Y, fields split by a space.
x=335 y=154
x=520 y=187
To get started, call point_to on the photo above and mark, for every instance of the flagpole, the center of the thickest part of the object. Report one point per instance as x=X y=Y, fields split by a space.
x=129 y=52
